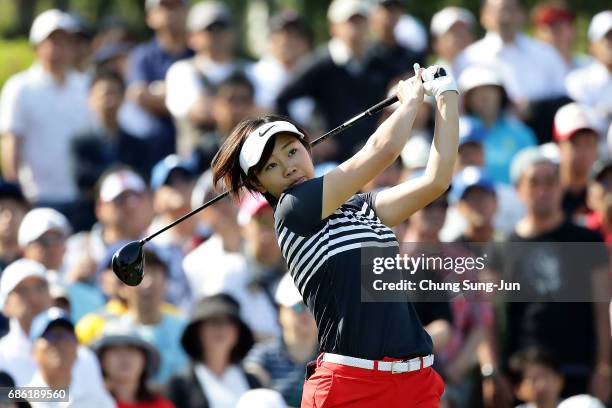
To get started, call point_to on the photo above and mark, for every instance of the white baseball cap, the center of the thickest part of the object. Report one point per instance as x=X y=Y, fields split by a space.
x=571 y=118
x=40 y=220
x=341 y=10
x=415 y=153
x=526 y=158
x=256 y=141
x=49 y=21
x=116 y=183
x=261 y=398
x=203 y=15
x=444 y=19
x=476 y=76
x=150 y=4
x=581 y=401
x=601 y=24
x=17 y=272
x=287 y=294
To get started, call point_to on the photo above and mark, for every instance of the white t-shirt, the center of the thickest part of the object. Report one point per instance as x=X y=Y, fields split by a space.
x=592 y=86
x=45 y=116
x=184 y=82
x=224 y=391
x=410 y=33
x=269 y=77
x=530 y=69
x=17 y=360
x=80 y=393
x=211 y=270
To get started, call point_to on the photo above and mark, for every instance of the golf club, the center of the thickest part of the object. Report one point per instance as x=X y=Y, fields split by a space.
x=128 y=261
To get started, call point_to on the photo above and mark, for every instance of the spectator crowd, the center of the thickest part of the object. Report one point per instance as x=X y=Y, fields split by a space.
x=105 y=140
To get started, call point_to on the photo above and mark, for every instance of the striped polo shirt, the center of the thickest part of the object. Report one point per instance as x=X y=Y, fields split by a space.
x=325 y=257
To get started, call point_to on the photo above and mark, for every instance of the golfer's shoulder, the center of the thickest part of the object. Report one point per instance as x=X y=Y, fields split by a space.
x=299 y=208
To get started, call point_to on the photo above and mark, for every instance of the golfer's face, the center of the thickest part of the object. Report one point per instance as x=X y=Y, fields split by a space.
x=289 y=164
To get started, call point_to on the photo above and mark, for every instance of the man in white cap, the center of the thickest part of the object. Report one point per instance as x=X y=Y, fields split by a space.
x=452 y=30
x=42 y=109
x=24 y=289
x=592 y=85
x=578 y=139
x=124 y=211
x=25 y=293
x=42 y=237
x=62 y=364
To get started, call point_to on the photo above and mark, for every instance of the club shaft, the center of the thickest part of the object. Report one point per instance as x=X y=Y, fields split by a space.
x=369 y=112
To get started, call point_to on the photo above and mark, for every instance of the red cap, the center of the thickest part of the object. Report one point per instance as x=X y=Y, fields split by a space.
x=569 y=119
x=547 y=15
x=251 y=204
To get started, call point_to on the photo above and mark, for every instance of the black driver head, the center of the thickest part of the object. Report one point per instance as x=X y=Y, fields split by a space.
x=128 y=263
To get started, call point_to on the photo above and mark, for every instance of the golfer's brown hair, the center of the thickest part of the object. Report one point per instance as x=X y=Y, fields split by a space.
x=226 y=163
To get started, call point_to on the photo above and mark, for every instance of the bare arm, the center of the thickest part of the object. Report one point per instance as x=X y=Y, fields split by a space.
x=378 y=153
x=153 y=102
x=396 y=204
x=10 y=156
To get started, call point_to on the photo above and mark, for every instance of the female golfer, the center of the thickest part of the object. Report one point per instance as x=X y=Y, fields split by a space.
x=373 y=354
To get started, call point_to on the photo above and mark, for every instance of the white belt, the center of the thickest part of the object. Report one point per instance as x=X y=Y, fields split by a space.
x=395 y=367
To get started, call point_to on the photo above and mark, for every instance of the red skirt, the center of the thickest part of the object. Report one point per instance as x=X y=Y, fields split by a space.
x=334 y=385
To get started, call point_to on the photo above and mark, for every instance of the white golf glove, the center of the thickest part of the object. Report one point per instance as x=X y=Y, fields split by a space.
x=436 y=80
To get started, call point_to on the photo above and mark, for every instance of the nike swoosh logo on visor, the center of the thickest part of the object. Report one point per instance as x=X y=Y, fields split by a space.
x=261 y=134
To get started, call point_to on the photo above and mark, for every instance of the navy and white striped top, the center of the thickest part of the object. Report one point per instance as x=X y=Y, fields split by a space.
x=325 y=258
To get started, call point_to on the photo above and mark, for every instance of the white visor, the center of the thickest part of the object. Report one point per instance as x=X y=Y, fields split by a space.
x=255 y=142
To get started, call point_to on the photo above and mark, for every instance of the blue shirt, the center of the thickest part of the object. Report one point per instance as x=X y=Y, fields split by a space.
x=325 y=259
x=286 y=375
x=148 y=63
x=166 y=337
x=504 y=139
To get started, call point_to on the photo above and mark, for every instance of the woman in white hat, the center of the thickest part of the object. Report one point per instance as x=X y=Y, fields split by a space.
x=374 y=354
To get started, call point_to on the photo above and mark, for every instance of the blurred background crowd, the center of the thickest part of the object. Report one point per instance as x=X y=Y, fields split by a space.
x=108 y=136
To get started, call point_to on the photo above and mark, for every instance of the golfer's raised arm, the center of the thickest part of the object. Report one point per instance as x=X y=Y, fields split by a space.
x=396 y=204
x=381 y=149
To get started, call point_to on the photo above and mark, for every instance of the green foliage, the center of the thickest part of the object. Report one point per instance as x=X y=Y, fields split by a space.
x=15 y=55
